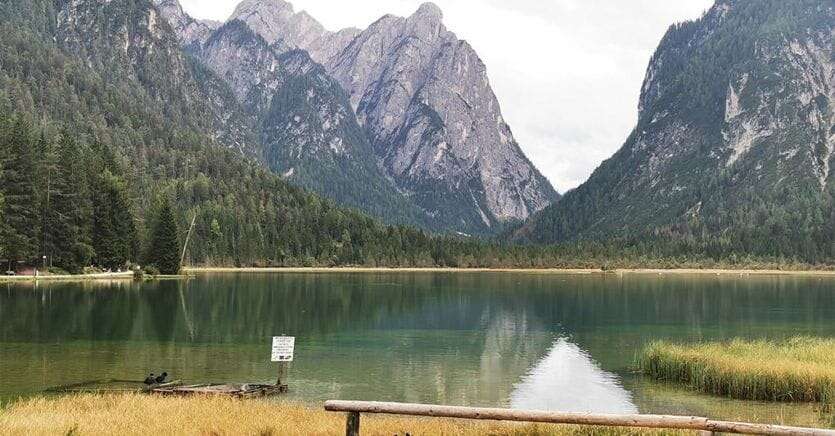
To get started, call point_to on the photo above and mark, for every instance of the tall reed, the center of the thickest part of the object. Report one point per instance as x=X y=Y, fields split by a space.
x=796 y=369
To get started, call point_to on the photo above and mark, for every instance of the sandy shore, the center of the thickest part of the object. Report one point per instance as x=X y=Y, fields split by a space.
x=739 y=272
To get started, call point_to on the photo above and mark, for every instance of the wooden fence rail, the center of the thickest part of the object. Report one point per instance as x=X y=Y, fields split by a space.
x=355 y=408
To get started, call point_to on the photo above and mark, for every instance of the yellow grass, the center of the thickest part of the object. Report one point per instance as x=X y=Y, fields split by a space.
x=798 y=369
x=137 y=414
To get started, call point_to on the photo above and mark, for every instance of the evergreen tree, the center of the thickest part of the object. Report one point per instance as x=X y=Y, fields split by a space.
x=114 y=230
x=2 y=221
x=68 y=213
x=164 y=251
x=20 y=200
x=47 y=185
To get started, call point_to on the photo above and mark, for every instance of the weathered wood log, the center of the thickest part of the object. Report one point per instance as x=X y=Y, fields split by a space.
x=102 y=386
x=232 y=390
x=644 y=421
x=649 y=421
x=764 y=429
x=282 y=374
x=352 y=426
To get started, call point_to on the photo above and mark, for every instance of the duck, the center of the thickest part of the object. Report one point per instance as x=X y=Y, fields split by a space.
x=150 y=380
x=161 y=378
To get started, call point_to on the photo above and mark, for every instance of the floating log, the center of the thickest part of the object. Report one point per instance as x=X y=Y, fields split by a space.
x=109 y=385
x=232 y=390
x=247 y=390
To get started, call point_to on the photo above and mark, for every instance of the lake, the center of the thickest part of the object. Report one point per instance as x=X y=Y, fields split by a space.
x=524 y=340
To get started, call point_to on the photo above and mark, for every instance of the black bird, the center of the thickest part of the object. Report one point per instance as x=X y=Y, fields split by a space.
x=150 y=380
x=161 y=378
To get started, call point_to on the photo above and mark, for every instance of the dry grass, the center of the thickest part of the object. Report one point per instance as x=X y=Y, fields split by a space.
x=136 y=414
x=798 y=369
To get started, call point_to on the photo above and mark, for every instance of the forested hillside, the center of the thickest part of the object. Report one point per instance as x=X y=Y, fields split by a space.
x=95 y=140
x=733 y=151
x=398 y=120
x=96 y=143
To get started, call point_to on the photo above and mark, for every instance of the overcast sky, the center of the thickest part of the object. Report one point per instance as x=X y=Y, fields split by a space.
x=567 y=72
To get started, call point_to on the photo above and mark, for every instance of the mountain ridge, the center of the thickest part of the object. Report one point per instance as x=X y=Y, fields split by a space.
x=307 y=132
x=449 y=151
x=727 y=154
x=95 y=139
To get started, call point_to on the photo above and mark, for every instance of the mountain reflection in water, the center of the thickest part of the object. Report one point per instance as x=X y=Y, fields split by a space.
x=467 y=339
x=568 y=380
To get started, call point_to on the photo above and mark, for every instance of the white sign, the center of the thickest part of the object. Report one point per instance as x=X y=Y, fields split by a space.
x=283 y=347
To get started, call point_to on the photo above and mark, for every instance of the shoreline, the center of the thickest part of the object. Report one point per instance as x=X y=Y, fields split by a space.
x=190 y=272
x=567 y=271
x=68 y=278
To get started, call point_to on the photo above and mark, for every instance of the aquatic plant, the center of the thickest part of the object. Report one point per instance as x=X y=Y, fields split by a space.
x=795 y=369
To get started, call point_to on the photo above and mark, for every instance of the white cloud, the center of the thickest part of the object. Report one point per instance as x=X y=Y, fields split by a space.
x=567 y=72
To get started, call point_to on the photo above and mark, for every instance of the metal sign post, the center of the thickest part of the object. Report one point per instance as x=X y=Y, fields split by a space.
x=282 y=352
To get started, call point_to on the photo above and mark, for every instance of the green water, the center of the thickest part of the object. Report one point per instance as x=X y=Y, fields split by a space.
x=541 y=341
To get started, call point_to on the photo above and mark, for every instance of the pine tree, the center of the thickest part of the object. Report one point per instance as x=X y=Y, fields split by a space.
x=114 y=230
x=164 y=252
x=68 y=215
x=46 y=186
x=20 y=200
x=2 y=221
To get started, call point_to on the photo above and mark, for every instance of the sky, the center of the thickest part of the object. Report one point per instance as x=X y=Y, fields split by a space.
x=567 y=73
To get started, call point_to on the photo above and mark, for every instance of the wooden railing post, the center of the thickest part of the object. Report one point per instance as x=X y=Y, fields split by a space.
x=352 y=427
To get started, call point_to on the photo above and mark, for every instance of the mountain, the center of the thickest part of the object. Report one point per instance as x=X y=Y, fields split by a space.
x=129 y=41
x=425 y=101
x=104 y=118
x=733 y=150
x=189 y=30
x=424 y=106
x=277 y=22
x=307 y=131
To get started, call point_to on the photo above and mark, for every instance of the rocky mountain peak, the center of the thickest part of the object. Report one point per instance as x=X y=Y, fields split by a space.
x=268 y=18
x=430 y=11
x=427 y=22
x=414 y=96
x=190 y=31
x=172 y=7
x=278 y=22
x=273 y=7
x=436 y=124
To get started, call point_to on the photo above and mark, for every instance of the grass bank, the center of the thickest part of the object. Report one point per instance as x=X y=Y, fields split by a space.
x=136 y=414
x=797 y=369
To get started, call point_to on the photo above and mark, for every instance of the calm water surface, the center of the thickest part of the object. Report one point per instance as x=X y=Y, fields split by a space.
x=539 y=341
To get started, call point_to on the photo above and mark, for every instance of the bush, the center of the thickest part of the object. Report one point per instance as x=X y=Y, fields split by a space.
x=55 y=271
x=91 y=270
